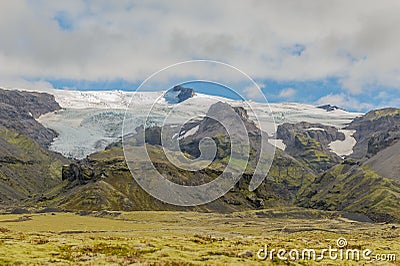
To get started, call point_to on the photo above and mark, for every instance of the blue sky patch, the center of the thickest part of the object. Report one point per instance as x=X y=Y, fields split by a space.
x=64 y=21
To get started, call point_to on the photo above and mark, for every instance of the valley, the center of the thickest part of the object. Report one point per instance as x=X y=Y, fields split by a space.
x=189 y=238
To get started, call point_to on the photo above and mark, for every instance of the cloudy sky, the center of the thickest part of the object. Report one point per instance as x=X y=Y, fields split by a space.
x=339 y=52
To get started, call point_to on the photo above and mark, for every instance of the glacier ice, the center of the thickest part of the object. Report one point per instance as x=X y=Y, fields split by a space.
x=89 y=121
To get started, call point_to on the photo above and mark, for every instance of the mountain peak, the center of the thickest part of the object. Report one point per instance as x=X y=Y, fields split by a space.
x=178 y=94
x=329 y=107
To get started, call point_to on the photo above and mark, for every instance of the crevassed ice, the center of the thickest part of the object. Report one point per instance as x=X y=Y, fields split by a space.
x=90 y=121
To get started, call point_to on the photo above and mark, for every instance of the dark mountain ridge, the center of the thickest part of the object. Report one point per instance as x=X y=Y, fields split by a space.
x=375 y=131
x=19 y=111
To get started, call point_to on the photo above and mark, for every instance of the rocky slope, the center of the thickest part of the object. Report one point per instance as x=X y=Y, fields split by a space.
x=19 y=111
x=375 y=131
x=28 y=170
x=310 y=143
x=369 y=183
x=387 y=162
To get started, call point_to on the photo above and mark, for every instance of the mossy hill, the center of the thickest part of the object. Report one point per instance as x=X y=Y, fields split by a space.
x=28 y=170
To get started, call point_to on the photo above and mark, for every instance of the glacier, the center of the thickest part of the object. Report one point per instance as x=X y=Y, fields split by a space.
x=91 y=120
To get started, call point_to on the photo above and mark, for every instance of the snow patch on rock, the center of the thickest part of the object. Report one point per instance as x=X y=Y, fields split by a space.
x=345 y=147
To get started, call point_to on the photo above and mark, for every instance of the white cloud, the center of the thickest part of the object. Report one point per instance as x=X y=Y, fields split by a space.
x=287 y=93
x=356 y=41
x=383 y=95
x=344 y=101
x=19 y=83
x=254 y=92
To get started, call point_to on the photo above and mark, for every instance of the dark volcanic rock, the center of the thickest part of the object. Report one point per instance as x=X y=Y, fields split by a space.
x=18 y=111
x=80 y=172
x=329 y=108
x=20 y=211
x=309 y=143
x=321 y=133
x=179 y=94
x=214 y=128
x=35 y=103
x=223 y=112
x=375 y=131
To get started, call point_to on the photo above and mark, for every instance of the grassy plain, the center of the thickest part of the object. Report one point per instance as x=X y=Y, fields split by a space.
x=185 y=238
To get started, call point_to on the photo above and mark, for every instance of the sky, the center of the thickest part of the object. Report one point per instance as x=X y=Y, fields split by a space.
x=344 y=53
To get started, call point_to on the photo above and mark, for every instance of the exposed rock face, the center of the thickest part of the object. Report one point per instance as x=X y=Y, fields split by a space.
x=80 y=172
x=18 y=111
x=309 y=142
x=210 y=127
x=206 y=128
x=224 y=112
x=330 y=108
x=179 y=94
x=35 y=103
x=375 y=131
x=323 y=134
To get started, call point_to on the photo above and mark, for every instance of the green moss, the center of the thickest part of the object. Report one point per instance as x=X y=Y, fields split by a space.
x=357 y=190
x=32 y=170
x=376 y=114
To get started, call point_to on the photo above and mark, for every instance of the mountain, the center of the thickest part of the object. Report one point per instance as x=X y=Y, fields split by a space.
x=178 y=94
x=331 y=160
x=370 y=184
x=103 y=180
x=375 y=131
x=28 y=169
x=330 y=108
